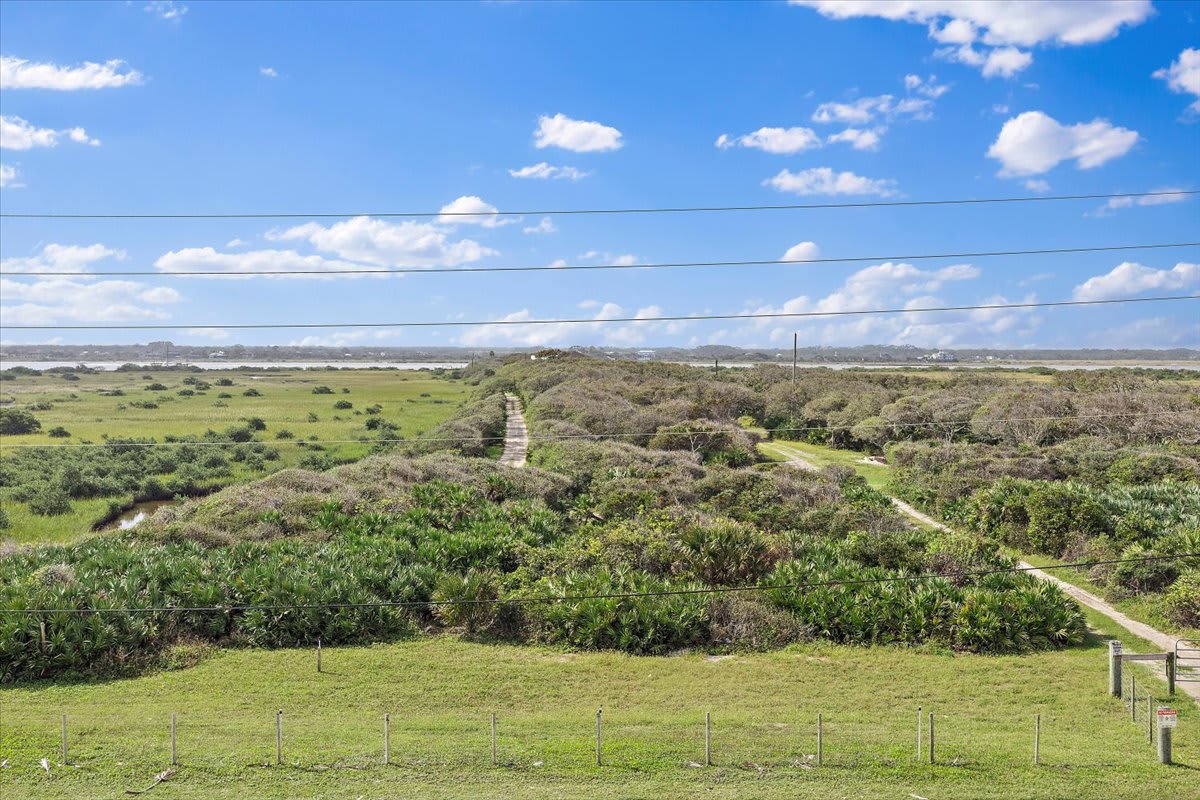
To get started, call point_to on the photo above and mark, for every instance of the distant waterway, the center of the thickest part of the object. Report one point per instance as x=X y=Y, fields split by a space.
x=111 y=366
x=1060 y=365
x=136 y=515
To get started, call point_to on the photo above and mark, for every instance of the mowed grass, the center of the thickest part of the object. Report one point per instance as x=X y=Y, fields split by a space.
x=822 y=456
x=440 y=694
x=414 y=401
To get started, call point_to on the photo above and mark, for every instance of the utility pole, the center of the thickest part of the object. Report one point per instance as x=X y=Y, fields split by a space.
x=795 y=346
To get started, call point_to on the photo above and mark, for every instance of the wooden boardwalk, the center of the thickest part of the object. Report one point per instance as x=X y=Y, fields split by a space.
x=516 y=434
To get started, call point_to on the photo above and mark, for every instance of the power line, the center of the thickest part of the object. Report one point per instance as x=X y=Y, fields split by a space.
x=594 y=321
x=406 y=270
x=582 y=211
x=586 y=436
x=605 y=596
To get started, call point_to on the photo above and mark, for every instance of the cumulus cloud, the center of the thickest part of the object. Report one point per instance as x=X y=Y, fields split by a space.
x=544 y=171
x=867 y=109
x=514 y=328
x=781 y=141
x=472 y=210
x=18 y=134
x=926 y=86
x=1162 y=196
x=824 y=180
x=20 y=73
x=858 y=138
x=1129 y=279
x=61 y=258
x=1183 y=75
x=166 y=9
x=8 y=177
x=987 y=34
x=580 y=136
x=1037 y=185
x=545 y=226
x=1034 y=142
x=49 y=301
x=378 y=242
x=256 y=262
x=804 y=251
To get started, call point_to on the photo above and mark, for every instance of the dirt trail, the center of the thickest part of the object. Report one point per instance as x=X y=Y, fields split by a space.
x=1160 y=640
x=516 y=434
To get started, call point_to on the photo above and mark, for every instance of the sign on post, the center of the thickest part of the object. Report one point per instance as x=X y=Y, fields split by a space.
x=1167 y=717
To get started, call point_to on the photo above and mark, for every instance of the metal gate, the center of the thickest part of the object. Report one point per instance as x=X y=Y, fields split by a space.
x=1187 y=660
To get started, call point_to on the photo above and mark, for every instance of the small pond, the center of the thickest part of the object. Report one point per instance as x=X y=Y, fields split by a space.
x=136 y=515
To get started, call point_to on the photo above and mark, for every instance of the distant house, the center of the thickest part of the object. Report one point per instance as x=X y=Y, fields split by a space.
x=940 y=357
x=217 y=354
x=645 y=355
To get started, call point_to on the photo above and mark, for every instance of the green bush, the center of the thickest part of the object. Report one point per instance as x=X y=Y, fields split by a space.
x=16 y=421
x=1183 y=600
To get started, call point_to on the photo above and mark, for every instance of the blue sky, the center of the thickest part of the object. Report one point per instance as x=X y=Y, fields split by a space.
x=222 y=107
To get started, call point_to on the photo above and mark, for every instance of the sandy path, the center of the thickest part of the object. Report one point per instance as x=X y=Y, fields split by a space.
x=516 y=434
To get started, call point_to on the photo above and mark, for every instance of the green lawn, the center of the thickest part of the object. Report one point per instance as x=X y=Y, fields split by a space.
x=415 y=401
x=440 y=693
x=822 y=456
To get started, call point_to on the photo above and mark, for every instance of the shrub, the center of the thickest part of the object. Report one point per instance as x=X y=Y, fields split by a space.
x=746 y=623
x=256 y=424
x=58 y=432
x=322 y=390
x=155 y=387
x=224 y=382
x=16 y=421
x=342 y=405
x=725 y=553
x=1183 y=600
x=469 y=599
x=284 y=433
x=252 y=392
x=50 y=501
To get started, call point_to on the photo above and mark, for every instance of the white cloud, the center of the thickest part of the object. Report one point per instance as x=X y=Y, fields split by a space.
x=859 y=138
x=997 y=26
x=545 y=226
x=579 y=136
x=8 y=177
x=1161 y=198
x=1129 y=278
x=1033 y=142
x=268 y=72
x=472 y=210
x=1183 y=76
x=804 y=251
x=823 y=180
x=236 y=243
x=1037 y=185
x=781 y=141
x=56 y=300
x=262 y=262
x=926 y=86
x=1150 y=332
x=19 y=73
x=61 y=258
x=17 y=134
x=867 y=109
x=542 y=335
x=544 y=171
x=166 y=9
x=381 y=243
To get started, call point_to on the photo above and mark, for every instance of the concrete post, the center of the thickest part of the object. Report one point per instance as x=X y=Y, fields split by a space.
x=1114 y=668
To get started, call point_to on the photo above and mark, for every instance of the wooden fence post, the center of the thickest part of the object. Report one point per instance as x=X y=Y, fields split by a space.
x=820 y=740
x=1150 y=718
x=1114 y=667
x=1037 y=740
x=495 y=761
x=930 y=737
x=387 y=739
x=599 y=758
x=1171 y=674
x=64 y=740
x=173 y=761
x=318 y=654
x=707 y=739
x=279 y=736
x=1133 y=696
x=919 y=725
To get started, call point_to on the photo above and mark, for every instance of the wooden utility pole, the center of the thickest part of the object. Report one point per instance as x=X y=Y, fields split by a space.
x=795 y=349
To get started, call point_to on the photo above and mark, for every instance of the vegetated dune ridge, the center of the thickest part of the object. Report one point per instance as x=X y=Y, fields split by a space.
x=676 y=502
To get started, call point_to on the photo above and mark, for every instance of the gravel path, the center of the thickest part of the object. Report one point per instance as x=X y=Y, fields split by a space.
x=516 y=434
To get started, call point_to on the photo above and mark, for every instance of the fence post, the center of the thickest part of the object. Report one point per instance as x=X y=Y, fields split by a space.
x=820 y=740
x=707 y=738
x=1171 y=673
x=599 y=758
x=318 y=654
x=1164 y=743
x=173 y=761
x=1037 y=740
x=1150 y=718
x=387 y=739
x=1114 y=667
x=279 y=736
x=494 y=759
x=930 y=737
x=919 y=721
x=64 y=740
x=1133 y=696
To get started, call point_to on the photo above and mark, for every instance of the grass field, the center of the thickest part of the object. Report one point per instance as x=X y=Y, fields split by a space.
x=441 y=691
x=414 y=401
x=821 y=456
